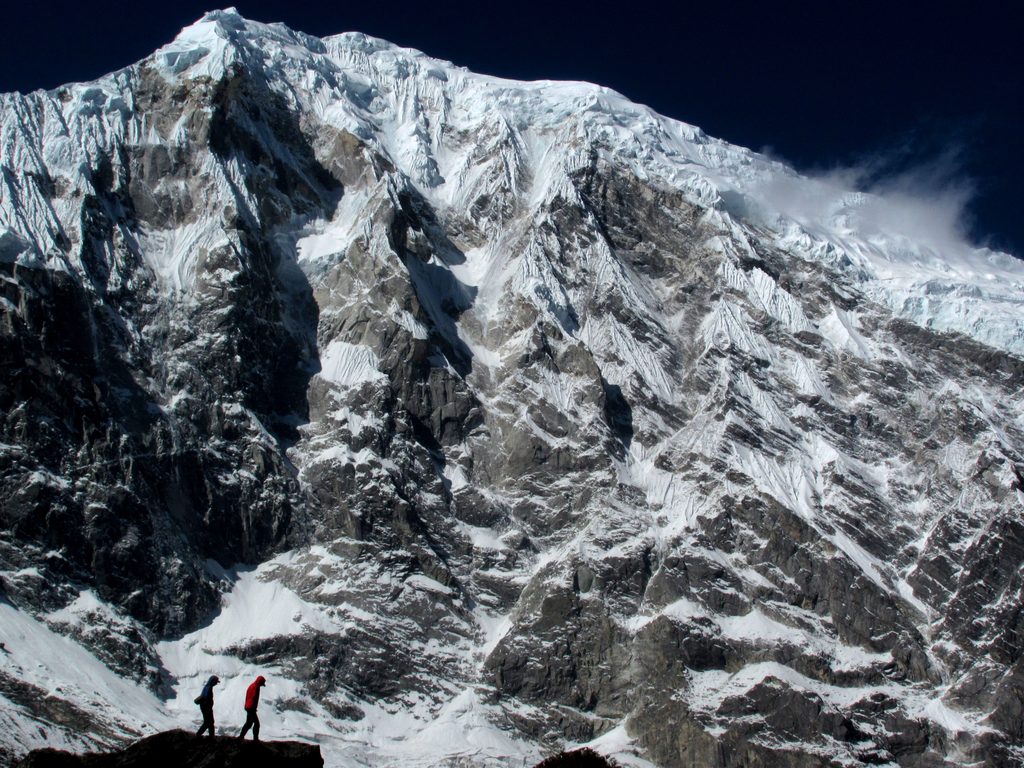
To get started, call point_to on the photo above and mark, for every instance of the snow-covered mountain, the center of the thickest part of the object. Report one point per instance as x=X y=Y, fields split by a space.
x=484 y=417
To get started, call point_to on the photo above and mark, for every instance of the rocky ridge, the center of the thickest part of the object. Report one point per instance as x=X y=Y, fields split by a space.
x=489 y=414
x=178 y=749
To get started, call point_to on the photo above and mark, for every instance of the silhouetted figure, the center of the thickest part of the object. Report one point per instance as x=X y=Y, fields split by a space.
x=205 y=702
x=252 y=701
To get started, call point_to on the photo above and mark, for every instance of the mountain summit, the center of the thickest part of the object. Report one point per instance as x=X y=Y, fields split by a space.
x=484 y=418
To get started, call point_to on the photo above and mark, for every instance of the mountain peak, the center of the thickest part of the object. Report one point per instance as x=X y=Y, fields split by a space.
x=226 y=16
x=222 y=36
x=226 y=20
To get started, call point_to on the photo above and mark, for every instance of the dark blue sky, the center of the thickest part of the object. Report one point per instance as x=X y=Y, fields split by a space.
x=896 y=86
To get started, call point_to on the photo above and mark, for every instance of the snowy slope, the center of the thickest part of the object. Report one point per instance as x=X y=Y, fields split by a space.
x=484 y=416
x=531 y=137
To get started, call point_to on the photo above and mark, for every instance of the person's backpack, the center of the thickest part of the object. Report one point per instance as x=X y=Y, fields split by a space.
x=206 y=696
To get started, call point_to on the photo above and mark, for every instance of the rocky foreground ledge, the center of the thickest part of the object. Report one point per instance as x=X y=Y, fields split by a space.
x=578 y=758
x=180 y=749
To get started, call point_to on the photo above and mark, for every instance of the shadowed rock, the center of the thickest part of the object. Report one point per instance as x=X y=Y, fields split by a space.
x=180 y=749
x=578 y=758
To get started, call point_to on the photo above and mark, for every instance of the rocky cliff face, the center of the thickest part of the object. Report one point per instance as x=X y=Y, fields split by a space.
x=490 y=415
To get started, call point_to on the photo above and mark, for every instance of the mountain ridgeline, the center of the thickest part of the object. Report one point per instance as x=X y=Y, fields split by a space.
x=487 y=417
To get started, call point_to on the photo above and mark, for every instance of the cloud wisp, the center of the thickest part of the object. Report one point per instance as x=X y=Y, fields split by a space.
x=883 y=196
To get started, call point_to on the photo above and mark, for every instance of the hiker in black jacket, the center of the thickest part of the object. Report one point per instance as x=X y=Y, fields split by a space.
x=205 y=702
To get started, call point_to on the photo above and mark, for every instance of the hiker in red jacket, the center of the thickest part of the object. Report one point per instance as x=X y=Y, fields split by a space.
x=252 y=701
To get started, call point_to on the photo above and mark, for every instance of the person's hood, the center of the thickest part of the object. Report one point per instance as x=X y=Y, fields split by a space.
x=261 y=680
x=213 y=680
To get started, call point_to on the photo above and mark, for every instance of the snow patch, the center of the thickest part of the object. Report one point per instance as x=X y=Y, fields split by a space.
x=349 y=365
